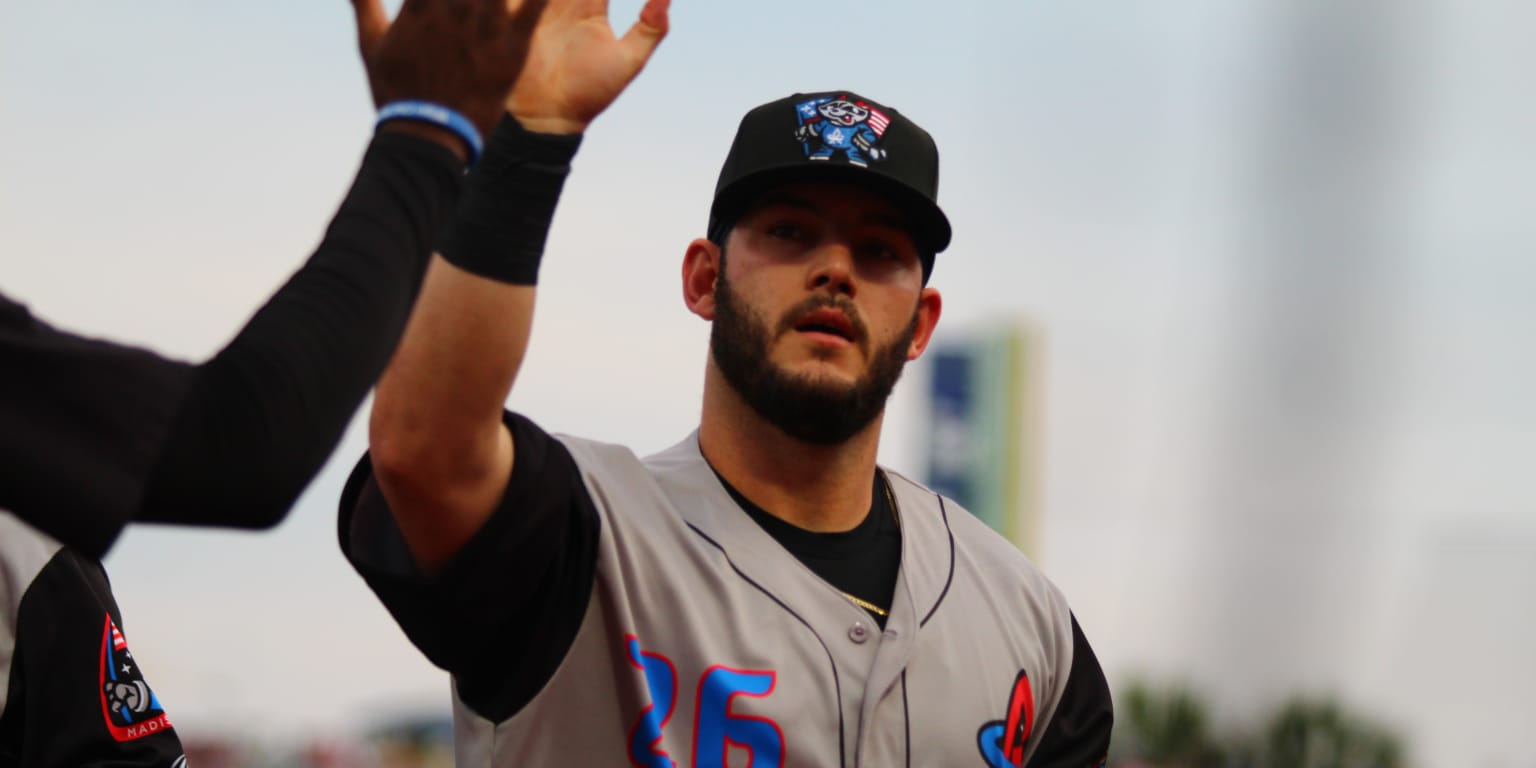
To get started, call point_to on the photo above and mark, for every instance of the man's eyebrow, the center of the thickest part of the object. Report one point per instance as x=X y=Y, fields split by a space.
x=892 y=220
x=786 y=199
x=886 y=219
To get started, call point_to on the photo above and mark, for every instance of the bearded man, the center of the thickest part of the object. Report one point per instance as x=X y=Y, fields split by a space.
x=763 y=592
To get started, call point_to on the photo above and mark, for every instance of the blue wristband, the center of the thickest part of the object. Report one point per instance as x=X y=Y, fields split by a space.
x=436 y=114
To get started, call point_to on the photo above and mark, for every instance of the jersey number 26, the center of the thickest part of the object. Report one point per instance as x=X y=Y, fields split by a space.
x=715 y=728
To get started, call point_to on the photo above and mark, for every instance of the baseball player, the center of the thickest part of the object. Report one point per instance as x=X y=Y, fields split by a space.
x=97 y=434
x=762 y=593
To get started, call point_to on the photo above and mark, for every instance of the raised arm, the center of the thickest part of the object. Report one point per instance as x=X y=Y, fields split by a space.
x=440 y=453
x=98 y=434
x=262 y=416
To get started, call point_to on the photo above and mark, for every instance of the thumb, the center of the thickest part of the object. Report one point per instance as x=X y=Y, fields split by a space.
x=372 y=23
x=642 y=38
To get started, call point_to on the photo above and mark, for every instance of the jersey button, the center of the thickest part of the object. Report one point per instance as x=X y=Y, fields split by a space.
x=858 y=632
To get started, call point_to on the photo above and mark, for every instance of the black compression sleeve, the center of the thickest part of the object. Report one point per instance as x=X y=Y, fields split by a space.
x=259 y=419
x=81 y=422
x=500 y=230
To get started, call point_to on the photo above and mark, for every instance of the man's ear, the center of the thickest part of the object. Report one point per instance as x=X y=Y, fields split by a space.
x=701 y=268
x=929 y=306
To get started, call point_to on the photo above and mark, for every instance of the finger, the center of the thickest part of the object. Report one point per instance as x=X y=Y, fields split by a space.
x=372 y=23
x=526 y=19
x=642 y=38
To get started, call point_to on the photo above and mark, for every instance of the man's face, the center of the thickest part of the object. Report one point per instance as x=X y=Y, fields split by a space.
x=817 y=305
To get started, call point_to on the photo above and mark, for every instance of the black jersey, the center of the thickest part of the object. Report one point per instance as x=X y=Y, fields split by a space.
x=71 y=692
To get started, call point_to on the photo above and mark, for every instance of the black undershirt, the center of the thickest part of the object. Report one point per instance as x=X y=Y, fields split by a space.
x=862 y=561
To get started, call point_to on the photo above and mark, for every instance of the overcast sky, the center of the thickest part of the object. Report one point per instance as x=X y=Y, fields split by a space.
x=1277 y=257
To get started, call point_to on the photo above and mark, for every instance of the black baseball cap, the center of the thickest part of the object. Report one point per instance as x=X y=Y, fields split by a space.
x=834 y=136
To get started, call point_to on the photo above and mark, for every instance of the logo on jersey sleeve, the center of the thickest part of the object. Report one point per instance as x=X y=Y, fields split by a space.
x=1002 y=741
x=130 y=708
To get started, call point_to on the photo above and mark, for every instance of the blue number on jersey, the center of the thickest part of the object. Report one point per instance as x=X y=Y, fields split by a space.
x=718 y=729
x=661 y=680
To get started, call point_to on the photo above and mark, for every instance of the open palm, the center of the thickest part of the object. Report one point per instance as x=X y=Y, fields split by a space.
x=577 y=65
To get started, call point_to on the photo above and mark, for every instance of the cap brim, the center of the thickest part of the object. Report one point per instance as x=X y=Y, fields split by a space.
x=930 y=227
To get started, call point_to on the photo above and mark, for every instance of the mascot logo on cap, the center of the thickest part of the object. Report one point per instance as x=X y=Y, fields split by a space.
x=832 y=126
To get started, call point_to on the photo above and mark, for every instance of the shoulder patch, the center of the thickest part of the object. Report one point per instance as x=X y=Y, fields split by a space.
x=129 y=707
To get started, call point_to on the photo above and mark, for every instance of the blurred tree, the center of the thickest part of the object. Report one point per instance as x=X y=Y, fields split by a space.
x=1319 y=734
x=1168 y=728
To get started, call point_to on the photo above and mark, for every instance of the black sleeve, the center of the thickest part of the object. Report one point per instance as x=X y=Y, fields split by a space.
x=502 y=613
x=76 y=696
x=83 y=423
x=1078 y=734
x=98 y=434
x=261 y=417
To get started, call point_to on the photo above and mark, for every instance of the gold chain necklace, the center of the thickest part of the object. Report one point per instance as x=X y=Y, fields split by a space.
x=865 y=604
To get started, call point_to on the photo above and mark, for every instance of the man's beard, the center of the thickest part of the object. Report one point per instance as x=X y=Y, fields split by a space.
x=813 y=410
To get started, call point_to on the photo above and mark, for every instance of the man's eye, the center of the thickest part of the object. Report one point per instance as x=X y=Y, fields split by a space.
x=785 y=231
x=882 y=251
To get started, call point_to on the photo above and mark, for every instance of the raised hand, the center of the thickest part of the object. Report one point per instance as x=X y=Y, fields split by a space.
x=577 y=66
x=461 y=54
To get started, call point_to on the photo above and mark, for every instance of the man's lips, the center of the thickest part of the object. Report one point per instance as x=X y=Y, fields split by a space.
x=827 y=322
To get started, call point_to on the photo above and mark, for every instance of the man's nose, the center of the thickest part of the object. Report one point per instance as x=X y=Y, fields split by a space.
x=832 y=269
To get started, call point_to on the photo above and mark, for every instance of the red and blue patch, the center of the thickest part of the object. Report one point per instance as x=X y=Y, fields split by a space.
x=130 y=708
x=1002 y=742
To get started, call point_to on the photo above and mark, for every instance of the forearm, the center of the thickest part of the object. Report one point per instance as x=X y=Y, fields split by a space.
x=261 y=417
x=438 y=446
x=436 y=438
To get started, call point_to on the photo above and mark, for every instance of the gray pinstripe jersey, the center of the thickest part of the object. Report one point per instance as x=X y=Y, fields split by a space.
x=706 y=640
